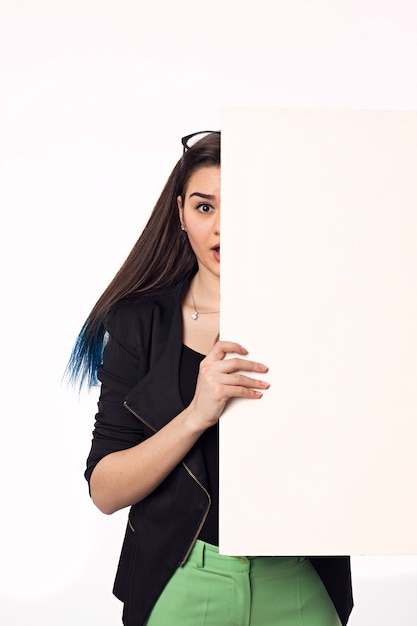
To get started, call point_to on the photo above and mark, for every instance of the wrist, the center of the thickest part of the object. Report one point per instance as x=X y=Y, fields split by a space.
x=193 y=422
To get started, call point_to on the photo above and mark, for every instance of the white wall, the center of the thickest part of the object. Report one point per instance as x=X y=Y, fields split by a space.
x=94 y=96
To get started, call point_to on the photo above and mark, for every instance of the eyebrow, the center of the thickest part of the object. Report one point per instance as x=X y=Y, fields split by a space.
x=206 y=196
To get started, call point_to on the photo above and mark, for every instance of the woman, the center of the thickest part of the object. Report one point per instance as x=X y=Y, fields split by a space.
x=164 y=384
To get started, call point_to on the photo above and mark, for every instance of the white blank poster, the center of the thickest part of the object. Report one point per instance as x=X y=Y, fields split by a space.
x=319 y=281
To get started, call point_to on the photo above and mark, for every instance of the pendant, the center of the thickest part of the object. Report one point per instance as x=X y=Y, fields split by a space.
x=194 y=315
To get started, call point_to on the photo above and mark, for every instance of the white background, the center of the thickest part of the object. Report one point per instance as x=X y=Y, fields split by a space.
x=94 y=96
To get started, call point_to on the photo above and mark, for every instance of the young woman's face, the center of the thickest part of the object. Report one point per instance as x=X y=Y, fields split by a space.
x=200 y=215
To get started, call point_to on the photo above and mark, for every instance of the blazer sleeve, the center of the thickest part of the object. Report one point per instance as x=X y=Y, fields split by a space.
x=115 y=427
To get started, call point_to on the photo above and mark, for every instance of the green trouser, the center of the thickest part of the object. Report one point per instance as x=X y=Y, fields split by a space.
x=215 y=590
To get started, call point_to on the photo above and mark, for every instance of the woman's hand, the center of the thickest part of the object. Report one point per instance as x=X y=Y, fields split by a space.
x=220 y=379
x=122 y=478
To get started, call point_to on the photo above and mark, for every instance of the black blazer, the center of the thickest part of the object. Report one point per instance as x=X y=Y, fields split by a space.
x=139 y=395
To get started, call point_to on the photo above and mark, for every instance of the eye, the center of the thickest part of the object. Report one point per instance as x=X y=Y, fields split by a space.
x=205 y=208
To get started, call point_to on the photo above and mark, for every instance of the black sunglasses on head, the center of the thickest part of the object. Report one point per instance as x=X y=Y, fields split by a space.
x=189 y=140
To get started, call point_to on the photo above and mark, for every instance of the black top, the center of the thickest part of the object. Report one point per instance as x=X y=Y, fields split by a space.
x=189 y=364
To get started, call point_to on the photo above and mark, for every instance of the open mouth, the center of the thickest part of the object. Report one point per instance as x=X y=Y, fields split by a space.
x=216 y=252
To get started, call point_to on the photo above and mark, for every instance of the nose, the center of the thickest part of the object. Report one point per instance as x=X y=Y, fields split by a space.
x=216 y=225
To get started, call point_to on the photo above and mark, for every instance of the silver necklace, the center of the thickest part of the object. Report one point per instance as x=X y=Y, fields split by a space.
x=196 y=313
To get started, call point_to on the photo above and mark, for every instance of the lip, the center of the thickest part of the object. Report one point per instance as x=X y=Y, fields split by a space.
x=216 y=253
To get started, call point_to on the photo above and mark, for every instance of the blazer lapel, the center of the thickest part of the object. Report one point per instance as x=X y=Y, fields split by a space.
x=156 y=399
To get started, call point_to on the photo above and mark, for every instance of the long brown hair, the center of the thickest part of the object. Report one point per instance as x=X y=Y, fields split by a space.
x=161 y=257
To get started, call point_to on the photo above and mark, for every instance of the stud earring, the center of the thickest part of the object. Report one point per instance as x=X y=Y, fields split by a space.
x=183 y=227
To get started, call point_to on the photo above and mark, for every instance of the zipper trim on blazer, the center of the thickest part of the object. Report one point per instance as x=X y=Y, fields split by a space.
x=201 y=524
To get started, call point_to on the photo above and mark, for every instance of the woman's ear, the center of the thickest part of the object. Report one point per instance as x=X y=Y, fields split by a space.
x=180 y=212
